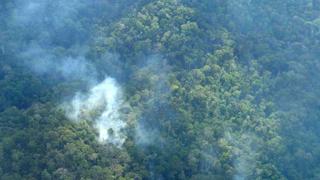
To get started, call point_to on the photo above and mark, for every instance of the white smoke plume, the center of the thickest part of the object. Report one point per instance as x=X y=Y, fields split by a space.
x=53 y=43
x=245 y=155
x=42 y=61
x=100 y=105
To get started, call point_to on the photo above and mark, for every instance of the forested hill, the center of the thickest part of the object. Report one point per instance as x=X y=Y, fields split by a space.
x=159 y=89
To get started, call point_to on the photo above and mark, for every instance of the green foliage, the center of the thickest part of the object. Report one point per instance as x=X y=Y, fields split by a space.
x=212 y=90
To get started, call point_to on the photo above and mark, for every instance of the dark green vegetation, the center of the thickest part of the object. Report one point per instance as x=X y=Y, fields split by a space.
x=214 y=89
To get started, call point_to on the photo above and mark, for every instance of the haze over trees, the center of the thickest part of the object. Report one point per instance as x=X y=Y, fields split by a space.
x=159 y=89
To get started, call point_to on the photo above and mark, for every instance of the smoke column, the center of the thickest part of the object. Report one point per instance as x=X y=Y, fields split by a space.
x=100 y=105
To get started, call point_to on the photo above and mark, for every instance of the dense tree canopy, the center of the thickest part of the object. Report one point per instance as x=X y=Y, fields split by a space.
x=210 y=89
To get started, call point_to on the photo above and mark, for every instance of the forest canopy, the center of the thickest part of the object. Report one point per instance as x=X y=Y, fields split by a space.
x=159 y=89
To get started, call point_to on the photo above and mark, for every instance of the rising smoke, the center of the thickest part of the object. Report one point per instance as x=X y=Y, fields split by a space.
x=54 y=45
x=66 y=65
x=100 y=105
x=154 y=73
